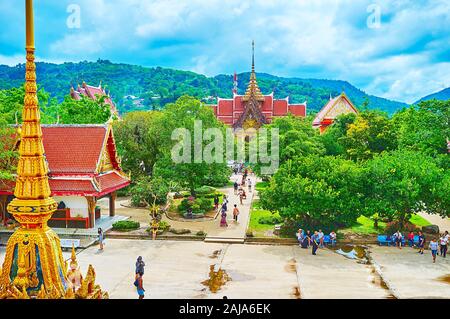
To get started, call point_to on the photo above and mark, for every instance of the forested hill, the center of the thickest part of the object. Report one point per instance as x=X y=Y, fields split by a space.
x=158 y=86
x=442 y=95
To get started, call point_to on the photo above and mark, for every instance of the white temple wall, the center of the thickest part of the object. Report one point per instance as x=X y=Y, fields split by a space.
x=78 y=205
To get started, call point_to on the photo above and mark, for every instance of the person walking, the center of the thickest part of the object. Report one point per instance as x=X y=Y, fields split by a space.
x=216 y=202
x=225 y=205
x=443 y=241
x=434 y=248
x=249 y=185
x=139 y=283
x=101 y=238
x=333 y=237
x=241 y=196
x=235 y=213
x=139 y=266
x=411 y=239
x=421 y=243
x=235 y=186
x=223 y=219
x=315 y=242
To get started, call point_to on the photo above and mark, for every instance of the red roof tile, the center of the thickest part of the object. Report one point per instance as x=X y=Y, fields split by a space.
x=73 y=149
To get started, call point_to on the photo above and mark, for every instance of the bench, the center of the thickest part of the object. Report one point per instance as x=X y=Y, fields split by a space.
x=383 y=239
x=69 y=243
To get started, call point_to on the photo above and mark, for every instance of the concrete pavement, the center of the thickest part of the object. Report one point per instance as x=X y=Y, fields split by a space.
x=178 y=270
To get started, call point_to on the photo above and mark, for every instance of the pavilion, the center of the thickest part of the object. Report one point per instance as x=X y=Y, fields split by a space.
x=339 y=105
x=83 y=168
x=253 y=109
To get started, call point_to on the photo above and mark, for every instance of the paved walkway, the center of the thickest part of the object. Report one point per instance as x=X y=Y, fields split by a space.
x=179 y=270
x=443 y=223
x=234 y=230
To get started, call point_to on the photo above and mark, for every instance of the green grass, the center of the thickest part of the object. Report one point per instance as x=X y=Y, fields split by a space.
x=258 y=229
x=261 y=186
x=364 y=225
x=419 y=221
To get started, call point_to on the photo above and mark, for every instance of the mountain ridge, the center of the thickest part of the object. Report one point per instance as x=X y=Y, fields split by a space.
x=158 y=86
x=443 y=94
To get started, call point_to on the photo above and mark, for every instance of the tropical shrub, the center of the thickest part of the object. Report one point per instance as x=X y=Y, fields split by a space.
x=126 y=225
x=199 y=205
x=394 y=226
x=270 y=220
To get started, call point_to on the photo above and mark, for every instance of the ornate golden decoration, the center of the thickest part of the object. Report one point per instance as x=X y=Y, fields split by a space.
x=33 y=265
x=253 y=88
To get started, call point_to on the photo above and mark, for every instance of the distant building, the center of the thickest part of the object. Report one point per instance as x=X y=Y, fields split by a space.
x=335 y=107
x=94 y=93
x=253 y=109
x=83 y=168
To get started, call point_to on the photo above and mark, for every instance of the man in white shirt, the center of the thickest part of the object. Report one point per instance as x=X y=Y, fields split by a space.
x=443 y=241
x=321 y=237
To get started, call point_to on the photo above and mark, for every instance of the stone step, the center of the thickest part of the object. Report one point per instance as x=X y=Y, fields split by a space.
x=227 y=240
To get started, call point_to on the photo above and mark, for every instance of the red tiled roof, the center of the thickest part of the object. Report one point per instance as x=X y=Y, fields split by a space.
x=111 y=181
x=73 y=153
x=229 y=110
x=67 y=187
x=73 y=149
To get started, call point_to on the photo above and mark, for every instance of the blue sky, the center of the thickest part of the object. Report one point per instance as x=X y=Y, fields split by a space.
x=404 y=57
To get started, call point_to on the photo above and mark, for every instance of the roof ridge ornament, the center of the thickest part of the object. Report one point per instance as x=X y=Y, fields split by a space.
x=253 y=88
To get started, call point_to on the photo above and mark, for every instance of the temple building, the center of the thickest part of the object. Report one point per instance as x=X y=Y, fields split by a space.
x=336 y=106
x=94 y=93
x=83 y=168
x=253 y=109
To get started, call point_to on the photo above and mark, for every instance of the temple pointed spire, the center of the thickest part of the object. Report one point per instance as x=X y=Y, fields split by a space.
x=253 y=88
x=253 y=56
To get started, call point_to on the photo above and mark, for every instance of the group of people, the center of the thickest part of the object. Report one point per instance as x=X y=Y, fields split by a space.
x=436 y=247
x=238 y=191
x=224 y=209
x=315 y=240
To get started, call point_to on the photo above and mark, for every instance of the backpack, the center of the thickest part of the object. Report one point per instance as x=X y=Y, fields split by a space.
x=136 y=282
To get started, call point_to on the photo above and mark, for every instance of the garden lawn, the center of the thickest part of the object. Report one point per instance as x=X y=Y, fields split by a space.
x=261 y=186
x=364 y=225
x=260 y=230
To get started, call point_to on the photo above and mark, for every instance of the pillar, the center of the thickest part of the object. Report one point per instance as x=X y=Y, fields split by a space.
x=92 y=202
x=112 y=204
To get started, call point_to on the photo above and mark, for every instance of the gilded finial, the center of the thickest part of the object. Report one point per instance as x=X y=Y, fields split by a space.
x=253 y=88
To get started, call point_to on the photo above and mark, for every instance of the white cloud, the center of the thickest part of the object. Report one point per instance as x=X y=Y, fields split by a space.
x=403 y=59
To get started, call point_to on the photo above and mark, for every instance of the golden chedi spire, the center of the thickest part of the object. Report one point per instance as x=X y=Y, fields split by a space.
x=33 y=265
x=253 y=88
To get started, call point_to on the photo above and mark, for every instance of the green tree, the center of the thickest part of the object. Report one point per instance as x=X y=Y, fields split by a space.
x=297 y=138
x=317 y=191
x=138 y=141
x=11 y=105
x=8 y=155
x=83 y=111
x=371 y=133
x=333 y=137
x=400 y=183
x=183 y=114
x=424 y=127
